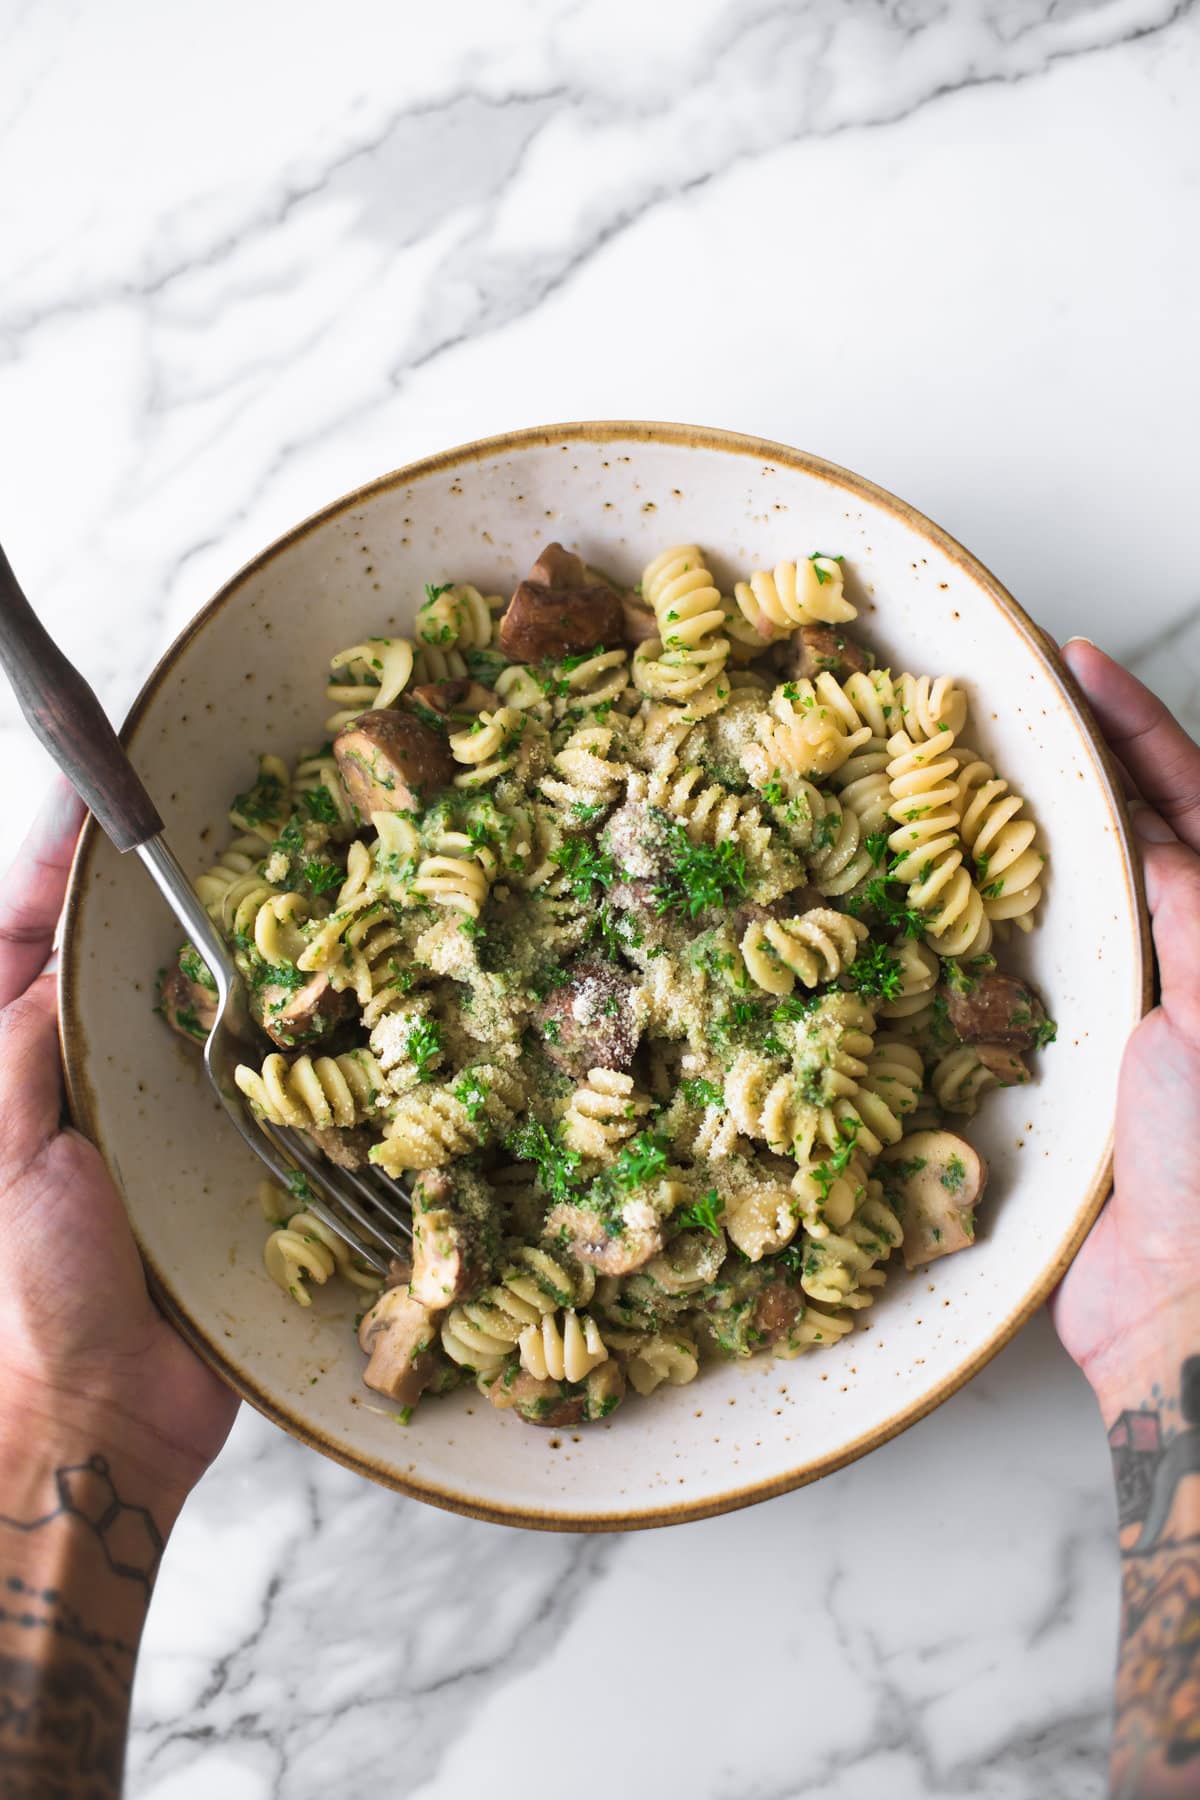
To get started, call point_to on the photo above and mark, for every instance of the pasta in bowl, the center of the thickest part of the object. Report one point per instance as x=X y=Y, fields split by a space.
x=639 y=961
x=659 y=928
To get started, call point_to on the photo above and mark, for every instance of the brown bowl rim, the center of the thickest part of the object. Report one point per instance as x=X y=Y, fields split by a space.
x=81 y=1100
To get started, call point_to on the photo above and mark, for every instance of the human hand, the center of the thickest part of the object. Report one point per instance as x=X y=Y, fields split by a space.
x=1132 y=1296
x=85 y=1353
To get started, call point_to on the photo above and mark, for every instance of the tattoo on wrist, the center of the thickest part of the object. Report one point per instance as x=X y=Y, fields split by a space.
x=129 y=1539
x=65 y=1670
x=1156 y=1461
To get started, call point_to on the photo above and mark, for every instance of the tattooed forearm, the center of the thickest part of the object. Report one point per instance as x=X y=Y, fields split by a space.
x=77 y=1564
x=62 y=1726
x=1156 y=1459
x=129 y=1539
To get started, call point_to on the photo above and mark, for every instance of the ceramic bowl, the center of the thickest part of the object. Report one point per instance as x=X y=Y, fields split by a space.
x=248 y=675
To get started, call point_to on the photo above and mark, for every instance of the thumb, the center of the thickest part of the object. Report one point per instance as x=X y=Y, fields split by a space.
x=1173 y=895
x=30 y=1076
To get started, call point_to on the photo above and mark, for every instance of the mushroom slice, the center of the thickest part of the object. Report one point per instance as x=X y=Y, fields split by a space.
x=390 y=762
x=398 y=1336
x=935 y=1180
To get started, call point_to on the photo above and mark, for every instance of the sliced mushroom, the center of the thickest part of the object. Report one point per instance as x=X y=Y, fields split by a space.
x=823 y=649
x=559 y=611
x=390 y=762
x=615 y=1246
x=463 y=698
x=398 y=1336
x=455 y=1239
x=346 y=1146
x=604 y=1389
x=779 y=1307
x=548 y=1403
x=994 y=1009
x=639 y=622
x=935 y=1180
x=188 y=1005
x=560 y=1403
x=641 y=841
x=299 y=1016
x=559 y=568
x=591 y=1022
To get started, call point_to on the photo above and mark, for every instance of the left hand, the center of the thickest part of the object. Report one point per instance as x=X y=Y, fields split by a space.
x=82 y=1346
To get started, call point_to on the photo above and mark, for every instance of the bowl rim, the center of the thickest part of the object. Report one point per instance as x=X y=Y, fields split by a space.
x=81 y=1099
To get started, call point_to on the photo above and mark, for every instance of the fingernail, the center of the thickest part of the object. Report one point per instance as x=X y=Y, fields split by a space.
x=1078 y=639
x=1151 y=827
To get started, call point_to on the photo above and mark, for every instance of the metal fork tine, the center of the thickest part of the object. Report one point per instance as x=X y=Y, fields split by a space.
x=339 y=1187
x=284 y=1171
x=382 y=1190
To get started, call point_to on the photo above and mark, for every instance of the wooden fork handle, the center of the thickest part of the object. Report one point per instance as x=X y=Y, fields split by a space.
x=66 y=715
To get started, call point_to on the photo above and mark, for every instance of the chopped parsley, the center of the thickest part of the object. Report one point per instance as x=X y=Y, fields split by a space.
x=732 y=1024
x=640 y=1161
x=964 y=977
x=953 y=1175
x=424 y=1046
x=876 y=972
x=320 y=876
x=262 y=803
x=826 y=1173
x=584 y=866
x=586 y=810
x=699 y=1092
x=320 y=805
x=876 y=845
x=557 y=1166
x=193 y=965
x=816 y=559
x=703 y=1215
x=1044 y=1032
x=887 y=898
x=472 y=1092
x=793 y=1007
x=700 y=877
x=827 y=830
x=297 y=1185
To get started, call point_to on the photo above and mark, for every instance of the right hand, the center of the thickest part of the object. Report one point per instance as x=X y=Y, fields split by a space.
x=1134 y=1289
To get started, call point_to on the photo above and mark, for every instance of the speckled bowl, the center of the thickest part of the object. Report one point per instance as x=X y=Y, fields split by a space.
x=247 y=675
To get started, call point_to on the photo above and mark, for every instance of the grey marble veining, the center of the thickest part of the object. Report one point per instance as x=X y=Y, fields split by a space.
x=250 y=263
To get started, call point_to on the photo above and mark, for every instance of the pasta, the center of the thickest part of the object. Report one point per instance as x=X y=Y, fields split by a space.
x=686 y=662
x=480 y=1334
x=341 y=1090
x=812 y=948
x=561 y=1347
x=304 y=1248
x=773 y=604
x=601 y=1115
x=637 y=964
x=1008 y=866
x=928 y=847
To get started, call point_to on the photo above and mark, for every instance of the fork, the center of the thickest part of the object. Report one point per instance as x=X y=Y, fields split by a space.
x=65 y=714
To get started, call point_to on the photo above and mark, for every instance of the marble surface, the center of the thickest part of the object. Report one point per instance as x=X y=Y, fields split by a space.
x=254 y=259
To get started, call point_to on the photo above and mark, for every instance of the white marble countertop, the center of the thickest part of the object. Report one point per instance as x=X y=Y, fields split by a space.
x=255 y=255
